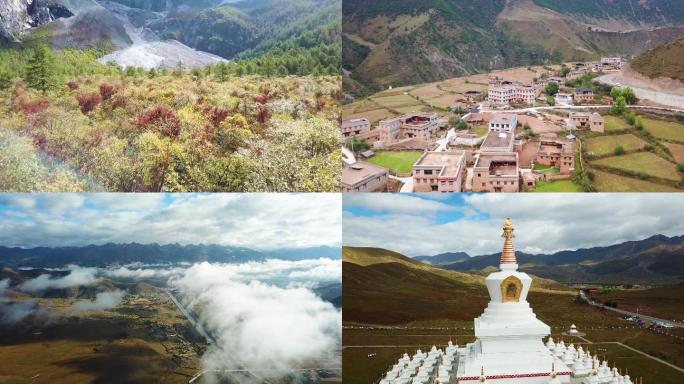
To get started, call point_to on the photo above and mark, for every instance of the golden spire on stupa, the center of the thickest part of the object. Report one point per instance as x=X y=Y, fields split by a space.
x=508 y=254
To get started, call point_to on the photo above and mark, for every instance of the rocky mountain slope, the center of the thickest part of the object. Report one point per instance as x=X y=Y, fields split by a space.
x=163 y=32
x=409 y=41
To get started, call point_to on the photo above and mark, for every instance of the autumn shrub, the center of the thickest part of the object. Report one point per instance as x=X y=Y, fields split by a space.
x=216 y=115
x=88 y=102
x=163 y=119
x=107 y=91
x=118 y=101
x=73 y=85
x=263 y=115
x=233 y=133
x=261 y=99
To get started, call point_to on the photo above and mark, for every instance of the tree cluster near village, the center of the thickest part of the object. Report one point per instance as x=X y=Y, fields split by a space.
x=69 y=123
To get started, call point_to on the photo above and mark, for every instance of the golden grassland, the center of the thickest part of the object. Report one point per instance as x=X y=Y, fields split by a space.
x=395 y=305
x=142 y=340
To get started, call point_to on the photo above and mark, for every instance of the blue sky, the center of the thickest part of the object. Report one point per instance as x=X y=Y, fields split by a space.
x=430 y=224
x=258 y=221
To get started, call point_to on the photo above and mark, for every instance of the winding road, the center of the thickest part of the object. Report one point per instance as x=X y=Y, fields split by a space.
x=623 y=312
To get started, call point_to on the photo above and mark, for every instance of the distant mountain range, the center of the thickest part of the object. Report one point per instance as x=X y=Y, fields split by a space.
x=405 y=42
x=658 y=259
x=120 y=254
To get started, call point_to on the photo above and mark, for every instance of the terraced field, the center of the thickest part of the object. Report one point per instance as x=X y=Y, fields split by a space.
x=605 y=145
x=610 y=182
x=665 y=129
x=641 y=162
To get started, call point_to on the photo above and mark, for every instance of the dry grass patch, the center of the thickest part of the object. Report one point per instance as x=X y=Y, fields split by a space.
x=605 y=145
x=677 y=151
x=608 y=182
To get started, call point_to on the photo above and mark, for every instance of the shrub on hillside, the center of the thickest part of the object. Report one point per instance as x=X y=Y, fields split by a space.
x=216 y=115
x=73 y=85
x=107 y=91
x=263 y=115
x=161 y=118
x=88 y=102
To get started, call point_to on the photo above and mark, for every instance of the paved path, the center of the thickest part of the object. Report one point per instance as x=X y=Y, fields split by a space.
x=663 y=98
x=643 y=353
x=445 y=141
x=622 y=311
x=537 y=109
x=408 y=183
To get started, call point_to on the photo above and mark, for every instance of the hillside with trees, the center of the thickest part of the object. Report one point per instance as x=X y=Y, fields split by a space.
x=69 y=123
x=411 y=42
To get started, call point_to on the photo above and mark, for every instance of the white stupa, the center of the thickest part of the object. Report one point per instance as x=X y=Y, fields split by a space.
x=509 y=348
x=509 y=341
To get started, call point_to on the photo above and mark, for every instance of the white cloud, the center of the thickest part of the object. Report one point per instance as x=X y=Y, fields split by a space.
x=544 y=223
x=103 y=300
x=258 y=325
x=396 y=203
x=259 y=221
x=77 y=276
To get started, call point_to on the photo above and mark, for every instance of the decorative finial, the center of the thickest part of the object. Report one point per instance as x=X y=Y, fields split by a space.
x=553 y=369
x=483 y=378
x=508 y=254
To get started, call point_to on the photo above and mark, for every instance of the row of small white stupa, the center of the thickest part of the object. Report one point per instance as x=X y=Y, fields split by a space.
x=437 y=365
x=584 y=365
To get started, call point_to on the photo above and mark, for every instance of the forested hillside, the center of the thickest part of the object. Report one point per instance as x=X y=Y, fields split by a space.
x=407 y=41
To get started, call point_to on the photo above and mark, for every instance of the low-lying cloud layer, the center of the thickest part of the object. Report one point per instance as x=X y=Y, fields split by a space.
x=257 y=325
x=13 y=312
x=78 y=276
x=263 y=316
x=103 y=300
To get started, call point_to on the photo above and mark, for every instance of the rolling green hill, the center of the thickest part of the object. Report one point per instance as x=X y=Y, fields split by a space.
x=664 y=61
x=385 y=287
x=410 y=42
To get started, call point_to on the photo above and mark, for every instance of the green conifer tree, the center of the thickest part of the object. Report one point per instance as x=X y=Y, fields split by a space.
x=40 y=70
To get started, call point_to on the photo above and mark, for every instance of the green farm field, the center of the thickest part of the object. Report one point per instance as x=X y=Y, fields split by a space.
x=642 y=162
x=557 y=186
x=665 y=130
x=401 y=162
x=606 y=145
x=610 y=182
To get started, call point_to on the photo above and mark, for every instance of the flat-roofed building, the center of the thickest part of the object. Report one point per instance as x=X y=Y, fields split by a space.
x=587 y=120
x=439 y=171
x=364 y=177
x=355 y=127
x=506 y=92
x=503 y=122
x=583 y=95
x=613 y=63
x=416 y=125
x=473 y=96
x=498 y=141
x=557 y=153
x=563 y=99
x=496 y=172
